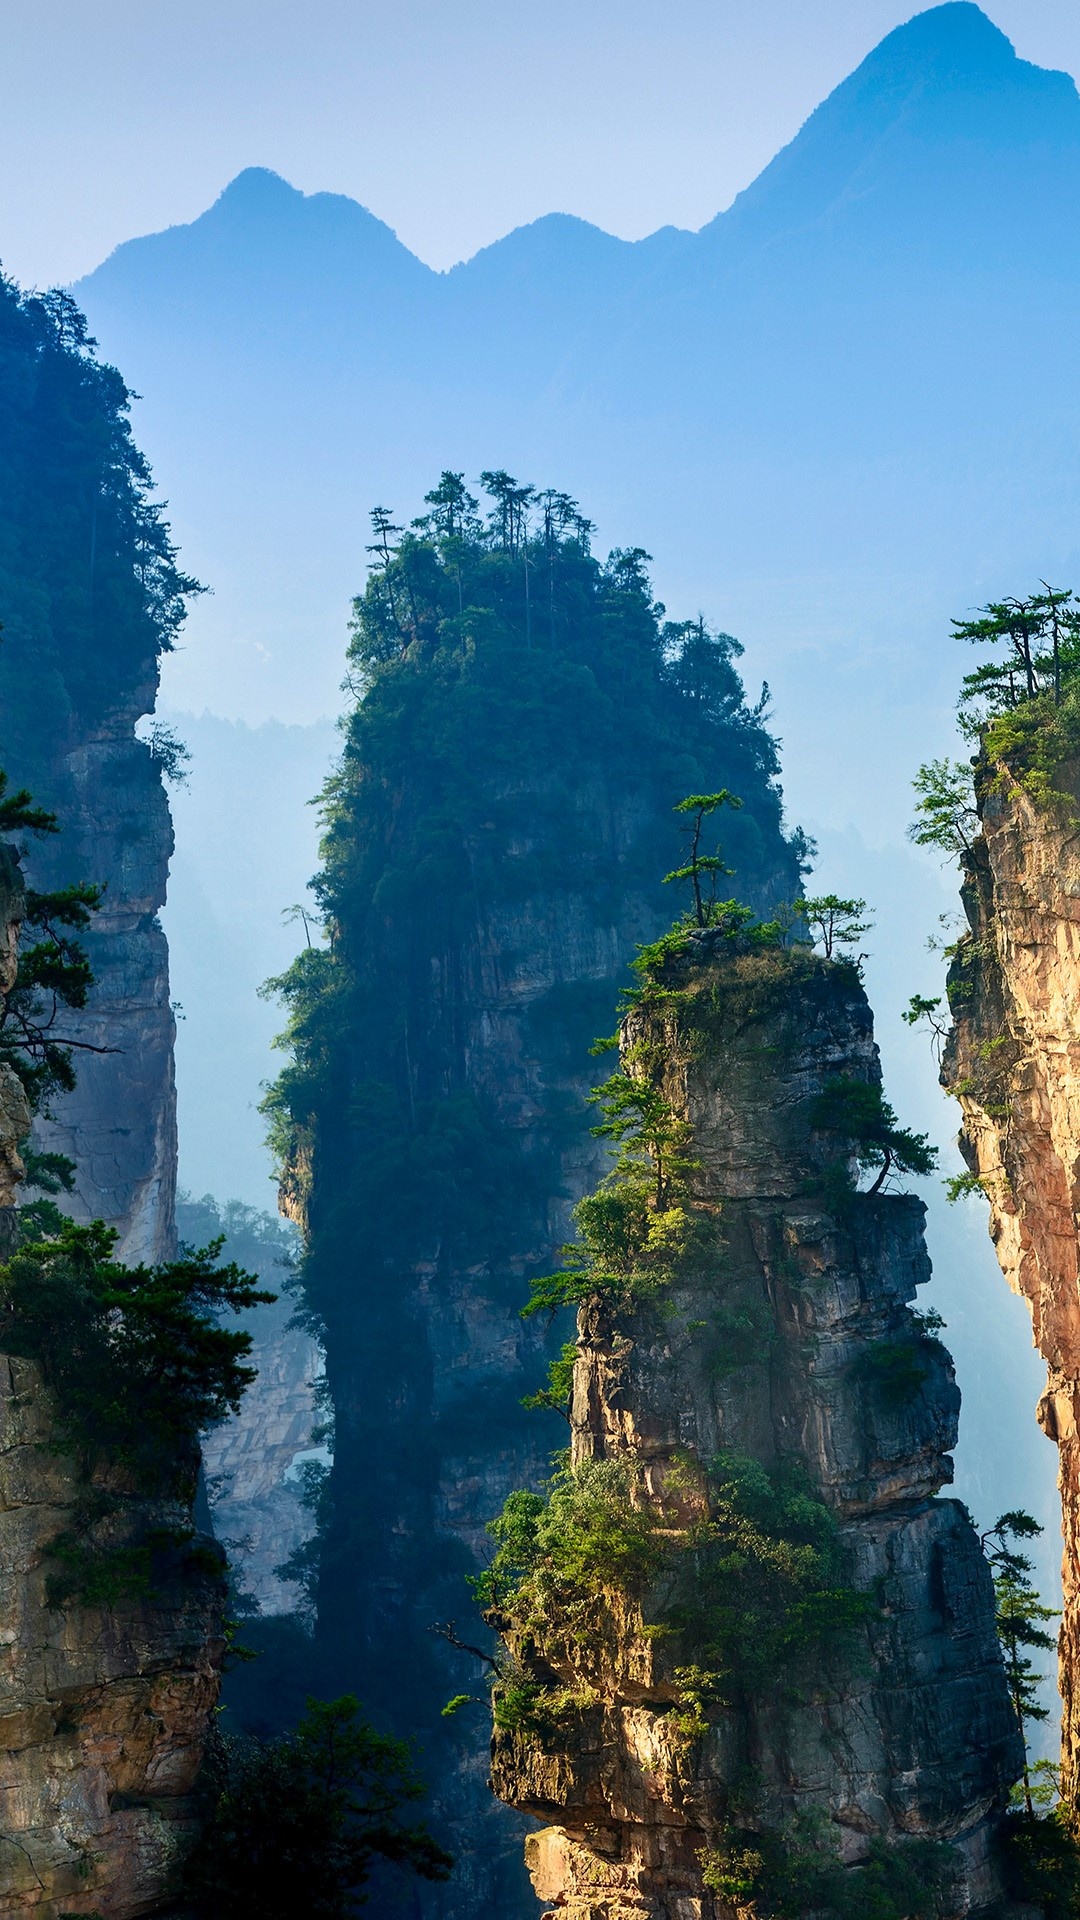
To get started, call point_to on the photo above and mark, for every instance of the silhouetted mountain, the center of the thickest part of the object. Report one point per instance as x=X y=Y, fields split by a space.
x=866 y=365
x=843 y=411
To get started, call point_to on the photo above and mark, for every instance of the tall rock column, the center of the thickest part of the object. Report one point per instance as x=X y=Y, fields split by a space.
x=118 y=1126
x=104 y=1711
x=1014 y=1064
x=782 y=1351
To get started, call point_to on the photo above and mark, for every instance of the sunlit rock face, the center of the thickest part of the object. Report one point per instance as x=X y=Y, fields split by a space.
x=911 y=1734
x=104 y=1714
x=1014 y=1063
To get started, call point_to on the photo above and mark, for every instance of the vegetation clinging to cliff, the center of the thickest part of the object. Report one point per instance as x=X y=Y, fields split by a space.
x=140 y=1366
x=298 y=1821
x=506 y=679
x=745 y=1568
x=90 y=590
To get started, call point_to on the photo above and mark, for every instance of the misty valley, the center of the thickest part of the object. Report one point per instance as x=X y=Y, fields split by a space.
x=540 y=1135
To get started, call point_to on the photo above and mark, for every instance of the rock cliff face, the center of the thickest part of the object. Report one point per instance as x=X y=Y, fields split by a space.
x=103 y=1714
x=254 y=1494
x=496 y=839
x=119 y=1124
x=786 y=1337
x=1014 y=1063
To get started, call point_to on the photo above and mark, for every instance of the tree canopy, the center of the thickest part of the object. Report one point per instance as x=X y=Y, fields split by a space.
x=90 y=591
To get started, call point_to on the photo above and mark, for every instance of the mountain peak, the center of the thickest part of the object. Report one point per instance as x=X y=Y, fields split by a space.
x=958 y=30
x=944 y=95
x=258 y=187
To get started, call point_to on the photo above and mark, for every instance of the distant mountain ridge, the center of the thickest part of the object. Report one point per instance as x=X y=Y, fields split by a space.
x=844 y=410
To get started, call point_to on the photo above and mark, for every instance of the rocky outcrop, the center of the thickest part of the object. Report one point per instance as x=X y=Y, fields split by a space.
x=119 y=1124
x=250 y=1460
x=104 y=1712
x=787 y=1337
x=1013 y=1062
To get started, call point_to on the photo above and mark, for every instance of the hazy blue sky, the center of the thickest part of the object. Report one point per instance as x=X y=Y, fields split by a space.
x=454 y=120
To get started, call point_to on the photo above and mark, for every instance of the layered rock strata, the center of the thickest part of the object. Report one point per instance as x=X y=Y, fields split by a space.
x=104 y=1713
x=1013 y=1061
x=788 y=1337
x=427 y=1367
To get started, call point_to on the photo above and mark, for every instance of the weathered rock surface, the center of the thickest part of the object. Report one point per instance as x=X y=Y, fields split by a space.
x=915 y=1738
x=427 y=1367
x=119 y=1124
x=254 y=1495
x=103 y=1713
x=1014 y=1063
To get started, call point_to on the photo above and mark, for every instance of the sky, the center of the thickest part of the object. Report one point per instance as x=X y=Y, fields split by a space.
x=453 y=120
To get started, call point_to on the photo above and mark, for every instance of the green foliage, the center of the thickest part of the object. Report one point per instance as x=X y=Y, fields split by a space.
x=858 y=1112
x=53 y=969
x=789 y=1875
x=946 y=816
x=169 y=752
x=1041 y=1859
x=1023 y=706
x=18 y=812
x=1036 y=646
x=135 y=1355
x=752 y=1586
x=635 y=1228
x=90 y=592
x=897 y=1369
x=759 y=1586
x=140 y=1366
x=961 y=1186
x=502 y=669
x=560 y=1382
x=53 y=974
x=834 y=923
x=586 y=1534
x=298 y=1822
x=920 y=1008
x=1034 y=740
x=702 y=869
x=1019 y=1617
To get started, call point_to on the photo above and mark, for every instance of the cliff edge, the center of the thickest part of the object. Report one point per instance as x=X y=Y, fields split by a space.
x=751 y=1651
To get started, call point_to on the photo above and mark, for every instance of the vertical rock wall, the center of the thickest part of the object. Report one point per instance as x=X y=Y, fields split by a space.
x=913 y=1737
x=427 y=1367
x=119 y=1124
x=1014 y=1063
x=103 y=1712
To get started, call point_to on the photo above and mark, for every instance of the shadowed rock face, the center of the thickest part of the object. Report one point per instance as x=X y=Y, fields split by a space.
x=911 y=1737
x=119 y=1124
x=103 y=1713
x=1014 y=1063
